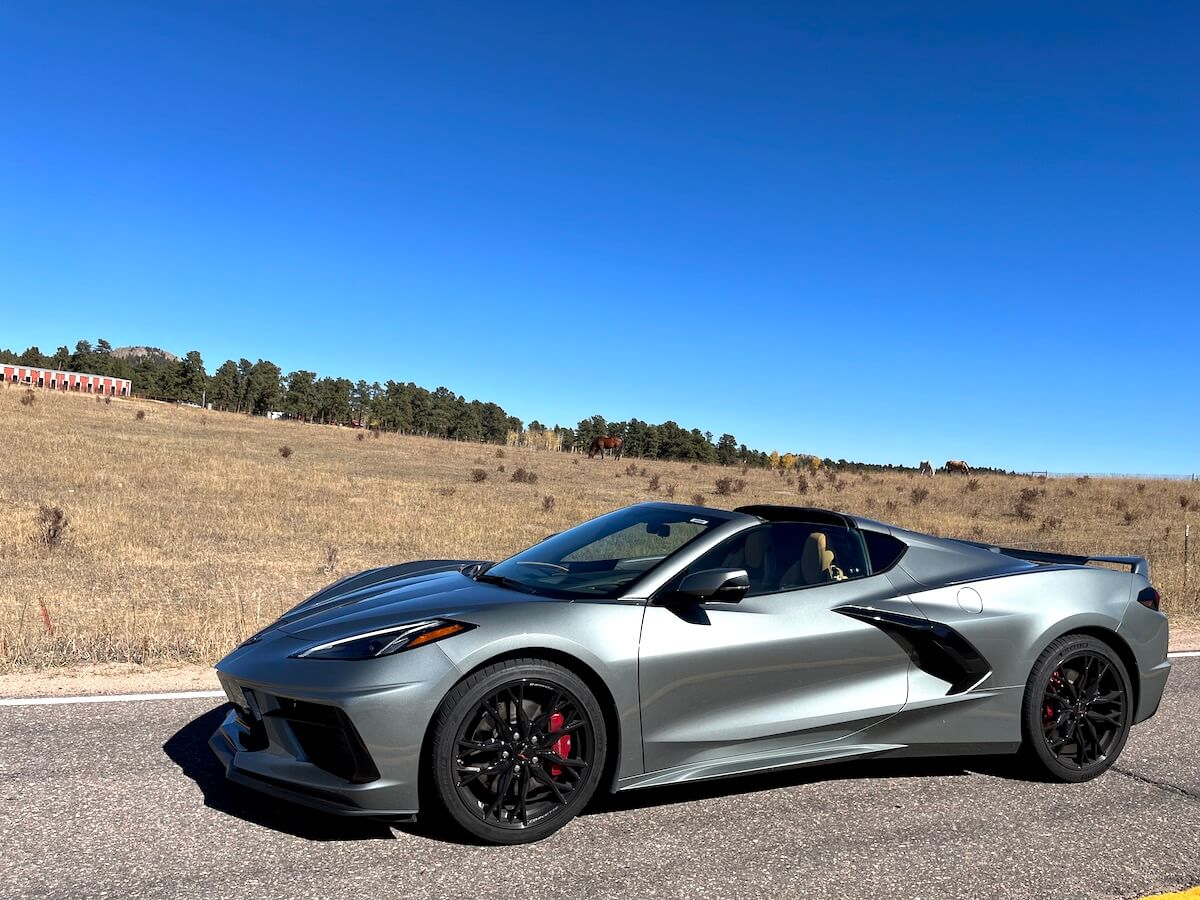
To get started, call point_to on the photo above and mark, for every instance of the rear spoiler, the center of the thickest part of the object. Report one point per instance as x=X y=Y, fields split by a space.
x=1138 y=565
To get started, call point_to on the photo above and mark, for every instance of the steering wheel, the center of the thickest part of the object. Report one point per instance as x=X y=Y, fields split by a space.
x=548 y=565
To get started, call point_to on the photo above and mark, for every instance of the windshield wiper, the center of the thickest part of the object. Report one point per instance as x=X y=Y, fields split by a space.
x=510 y=583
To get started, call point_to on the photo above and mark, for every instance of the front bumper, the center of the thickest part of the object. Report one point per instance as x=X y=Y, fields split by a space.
x=341 y=737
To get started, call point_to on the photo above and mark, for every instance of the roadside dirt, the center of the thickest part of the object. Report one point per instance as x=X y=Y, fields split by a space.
x=110 y=678
x=129 y=678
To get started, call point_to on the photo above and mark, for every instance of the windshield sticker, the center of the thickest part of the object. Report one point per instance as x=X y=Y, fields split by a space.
x=698 y=521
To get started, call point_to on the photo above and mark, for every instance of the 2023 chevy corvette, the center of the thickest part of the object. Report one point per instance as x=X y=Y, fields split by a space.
x=664 y=643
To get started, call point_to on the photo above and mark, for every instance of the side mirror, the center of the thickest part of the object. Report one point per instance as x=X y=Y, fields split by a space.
x=716 y=585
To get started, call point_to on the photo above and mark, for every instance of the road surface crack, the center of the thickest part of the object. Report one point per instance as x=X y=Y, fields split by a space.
x=1154 y=782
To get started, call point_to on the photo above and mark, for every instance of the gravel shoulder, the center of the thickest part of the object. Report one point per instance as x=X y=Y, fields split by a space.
x=108 y=678
x=130 y=678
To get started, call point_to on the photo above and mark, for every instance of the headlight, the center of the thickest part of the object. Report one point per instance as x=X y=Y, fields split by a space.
x=385 y=641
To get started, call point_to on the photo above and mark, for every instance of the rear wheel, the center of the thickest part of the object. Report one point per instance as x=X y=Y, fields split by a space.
x=518 y=749
x=1077 y=709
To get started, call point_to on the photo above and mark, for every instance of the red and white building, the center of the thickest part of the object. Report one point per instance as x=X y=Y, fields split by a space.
x=54 y=380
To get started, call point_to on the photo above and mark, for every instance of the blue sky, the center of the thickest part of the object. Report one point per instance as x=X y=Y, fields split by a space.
x=888 y=232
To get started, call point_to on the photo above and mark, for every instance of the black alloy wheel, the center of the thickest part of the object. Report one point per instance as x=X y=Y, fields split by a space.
x=1078 y=708
x=518 y=750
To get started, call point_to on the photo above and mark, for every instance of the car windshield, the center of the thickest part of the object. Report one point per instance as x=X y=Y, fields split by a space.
x=602 y=557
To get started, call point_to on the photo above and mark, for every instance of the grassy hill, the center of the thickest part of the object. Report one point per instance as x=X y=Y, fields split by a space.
x=188 y=529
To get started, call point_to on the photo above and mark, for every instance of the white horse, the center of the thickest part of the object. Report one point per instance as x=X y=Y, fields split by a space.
x=925 y=468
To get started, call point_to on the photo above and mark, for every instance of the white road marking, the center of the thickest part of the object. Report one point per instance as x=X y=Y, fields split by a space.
x=107 y=698
x=1185 y=653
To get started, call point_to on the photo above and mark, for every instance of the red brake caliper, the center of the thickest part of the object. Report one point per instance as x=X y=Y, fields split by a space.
x=1048 y=711
x=561 y=747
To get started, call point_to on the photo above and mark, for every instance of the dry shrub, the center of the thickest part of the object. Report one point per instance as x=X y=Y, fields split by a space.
x=891 y=506
x=1129 y=517
x=654 y=481
x=726 y=486
x=28 y=398
x=548 y=503
x=1023 y=505
x=631 y=469
x=1051 y=523
x=479 y=475
x=1083 y=479
x=1183 y=501
x=1140 y=487
x=141 y=414
x=360 y=437
x=521 y=476
x=699 y=500
x=50 y=526
x=447 y=491
x=375 y=433
x=801 y=484
x=500 y=468
x=329 y=562
x=671 y=488
x=108 y=401
x=918 y=495
x=285 y=451
x=972 y=485
x=500 y=454
x=839 y=485
x=695 y=468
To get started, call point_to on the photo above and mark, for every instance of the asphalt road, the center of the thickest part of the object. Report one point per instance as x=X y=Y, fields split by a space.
x=123 y=799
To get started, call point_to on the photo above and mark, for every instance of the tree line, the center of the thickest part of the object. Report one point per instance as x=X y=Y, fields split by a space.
x=261 y=387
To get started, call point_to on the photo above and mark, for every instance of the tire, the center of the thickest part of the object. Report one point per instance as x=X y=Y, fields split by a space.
x=1077 y=709
x=491 y=772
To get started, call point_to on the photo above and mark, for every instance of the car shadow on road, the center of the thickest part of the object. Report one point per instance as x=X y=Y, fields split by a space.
x=998 y=766
x=188 y=749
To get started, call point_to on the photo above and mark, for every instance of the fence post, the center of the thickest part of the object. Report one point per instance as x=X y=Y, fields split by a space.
x=1187 y=535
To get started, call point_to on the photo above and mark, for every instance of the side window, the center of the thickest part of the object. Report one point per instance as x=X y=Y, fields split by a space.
x=785 y=556
x=883 y=550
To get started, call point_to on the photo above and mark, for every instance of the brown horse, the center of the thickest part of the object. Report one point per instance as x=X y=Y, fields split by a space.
x=602 y=443
x=957 y=465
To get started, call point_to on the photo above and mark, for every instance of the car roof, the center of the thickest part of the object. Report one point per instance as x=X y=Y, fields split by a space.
x=770 y=512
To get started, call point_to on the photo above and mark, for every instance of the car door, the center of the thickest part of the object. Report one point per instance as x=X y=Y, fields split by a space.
x=779 y=671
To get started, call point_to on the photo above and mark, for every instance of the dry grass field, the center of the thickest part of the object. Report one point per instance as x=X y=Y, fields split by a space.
x=187 y=530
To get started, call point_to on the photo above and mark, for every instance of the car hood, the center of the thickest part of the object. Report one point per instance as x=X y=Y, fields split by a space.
x=381 y=598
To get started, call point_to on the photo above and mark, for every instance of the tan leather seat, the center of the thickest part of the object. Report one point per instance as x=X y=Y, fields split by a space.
x=816 y=564
x=757 y=557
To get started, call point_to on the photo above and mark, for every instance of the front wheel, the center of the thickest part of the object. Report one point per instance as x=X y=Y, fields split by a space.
x=518 y=749
x=1077 y=709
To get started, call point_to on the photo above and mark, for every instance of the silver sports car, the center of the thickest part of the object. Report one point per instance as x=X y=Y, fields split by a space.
x=663 y=643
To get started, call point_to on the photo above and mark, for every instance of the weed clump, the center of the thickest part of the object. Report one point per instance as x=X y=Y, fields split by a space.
x=479 y=474
x=285 y=451
x=522 y=476
x=50 y=526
